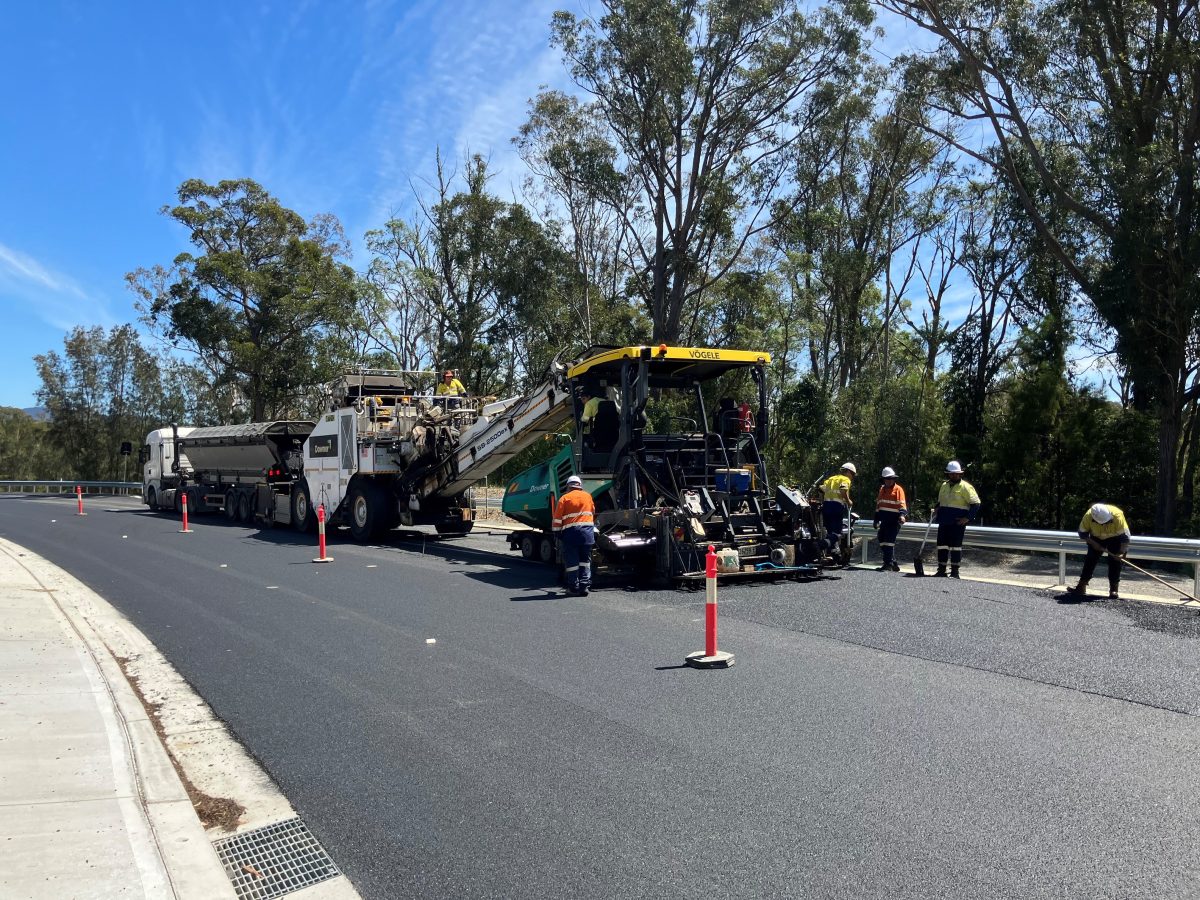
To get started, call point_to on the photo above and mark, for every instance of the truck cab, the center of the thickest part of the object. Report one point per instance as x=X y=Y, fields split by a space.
x=161 y=466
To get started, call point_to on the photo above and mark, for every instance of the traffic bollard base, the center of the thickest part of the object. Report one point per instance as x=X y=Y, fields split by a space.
x=700 y=660
x=323 y=559
x=186 y=531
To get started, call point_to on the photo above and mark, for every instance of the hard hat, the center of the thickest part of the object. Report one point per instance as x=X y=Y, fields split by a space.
x=574 y=481
x=449 y=373
x=888 y=472
x=849 y=467
x=1101 y=514
x=954 y=467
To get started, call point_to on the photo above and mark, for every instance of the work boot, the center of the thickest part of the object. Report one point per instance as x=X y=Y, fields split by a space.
x=954 y=571
x=884 y=568
x=1078 y=590
x=895 y=566
x=940 y=573
x=1113 y=594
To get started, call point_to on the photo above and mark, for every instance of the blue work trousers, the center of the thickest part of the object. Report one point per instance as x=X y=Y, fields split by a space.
x=577 y=556
x=833 y=512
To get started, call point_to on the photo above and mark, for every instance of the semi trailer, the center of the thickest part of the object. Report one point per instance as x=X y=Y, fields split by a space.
x=247 y=471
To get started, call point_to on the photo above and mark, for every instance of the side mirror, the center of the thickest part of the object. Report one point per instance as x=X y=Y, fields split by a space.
x=143 y=455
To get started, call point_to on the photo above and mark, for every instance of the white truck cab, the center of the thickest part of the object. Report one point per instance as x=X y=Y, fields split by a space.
x=159 y=470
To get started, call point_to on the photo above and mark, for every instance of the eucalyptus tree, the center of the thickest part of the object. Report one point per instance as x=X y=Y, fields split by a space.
x=1090 y=110
x=263 y=299
x=702 y=99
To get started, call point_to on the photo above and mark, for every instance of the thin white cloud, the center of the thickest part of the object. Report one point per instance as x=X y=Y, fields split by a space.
x=52 y=297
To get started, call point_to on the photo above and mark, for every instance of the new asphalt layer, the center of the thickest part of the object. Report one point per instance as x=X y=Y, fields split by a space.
x=448 y=724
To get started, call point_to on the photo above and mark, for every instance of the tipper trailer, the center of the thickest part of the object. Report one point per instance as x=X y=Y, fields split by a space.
x=248 y=471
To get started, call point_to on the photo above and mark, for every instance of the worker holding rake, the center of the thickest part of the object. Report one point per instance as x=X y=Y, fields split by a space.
x=1105 y=530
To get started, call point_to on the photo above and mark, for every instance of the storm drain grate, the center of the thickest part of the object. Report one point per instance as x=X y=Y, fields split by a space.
x=274 y=860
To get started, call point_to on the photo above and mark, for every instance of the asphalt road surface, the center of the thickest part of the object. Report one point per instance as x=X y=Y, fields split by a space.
x=879 y=736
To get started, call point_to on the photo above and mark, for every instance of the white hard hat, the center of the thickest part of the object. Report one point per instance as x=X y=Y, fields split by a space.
x=954 y=467
x=849 y=467
x=1101 y=514
x=888 y=472
x=574 y=481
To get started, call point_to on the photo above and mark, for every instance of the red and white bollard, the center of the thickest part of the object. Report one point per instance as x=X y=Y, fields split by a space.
x=79 y=497
x=710 y=657
x=183 y=503
x=321 y=535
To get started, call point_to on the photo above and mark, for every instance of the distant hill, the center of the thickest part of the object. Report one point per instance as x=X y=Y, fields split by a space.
x=37 y=412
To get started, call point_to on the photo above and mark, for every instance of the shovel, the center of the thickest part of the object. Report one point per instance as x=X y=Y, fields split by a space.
x=1103 y=549
x=918 y=563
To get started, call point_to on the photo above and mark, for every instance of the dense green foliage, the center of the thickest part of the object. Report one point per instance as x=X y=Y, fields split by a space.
x=1025 y=297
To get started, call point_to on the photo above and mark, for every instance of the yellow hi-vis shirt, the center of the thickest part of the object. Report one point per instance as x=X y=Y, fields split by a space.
x=1109 y=529
x=836 y=488
x=454 y=388
x=589 y=412
x=957 y=496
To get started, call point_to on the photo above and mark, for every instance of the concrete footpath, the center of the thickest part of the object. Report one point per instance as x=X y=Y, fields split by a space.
x=90 y=804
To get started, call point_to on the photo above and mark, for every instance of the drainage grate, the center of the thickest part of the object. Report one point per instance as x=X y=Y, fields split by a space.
x=274 y=860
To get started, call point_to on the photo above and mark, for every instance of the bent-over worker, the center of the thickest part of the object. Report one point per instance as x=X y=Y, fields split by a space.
x=891 y=511
x=574 y=521
x=836 y=504
x=957 y=505
x=1105 y=530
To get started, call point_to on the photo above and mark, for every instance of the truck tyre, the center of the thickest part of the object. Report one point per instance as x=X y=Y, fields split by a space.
x=231 y=505
x=244 y=513
x=366 y=511
x=528 y=547
x=546 y=549
x=152 y=499
x=179 y=502
x=304 y=517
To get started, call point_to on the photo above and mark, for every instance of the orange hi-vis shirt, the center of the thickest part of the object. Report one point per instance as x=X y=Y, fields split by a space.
x=575 y=508
x=891 y=500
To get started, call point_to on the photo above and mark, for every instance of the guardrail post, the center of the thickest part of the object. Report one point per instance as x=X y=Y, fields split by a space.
x=866 y=549
x=1062 y=566
x=1196 y=580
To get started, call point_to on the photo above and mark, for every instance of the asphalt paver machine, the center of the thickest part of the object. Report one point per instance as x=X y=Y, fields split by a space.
x=672 y=468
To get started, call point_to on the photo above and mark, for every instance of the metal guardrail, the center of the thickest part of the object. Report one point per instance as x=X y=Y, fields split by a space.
x=68 y=487
x=1159 y=549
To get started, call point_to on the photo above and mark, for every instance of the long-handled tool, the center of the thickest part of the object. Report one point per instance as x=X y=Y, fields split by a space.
x=918 y=563
x=1134 y=566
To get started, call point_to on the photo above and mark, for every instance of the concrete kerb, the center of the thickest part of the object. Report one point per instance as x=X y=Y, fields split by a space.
x=170 y=850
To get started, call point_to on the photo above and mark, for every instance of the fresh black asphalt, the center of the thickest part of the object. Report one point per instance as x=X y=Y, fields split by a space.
x=879 y=736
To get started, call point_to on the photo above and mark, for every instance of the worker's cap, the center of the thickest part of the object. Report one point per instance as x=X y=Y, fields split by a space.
x=954 y=467
x=449 y=373
x=1101 y=514
x=888 y=472
x=574 y=481
x=849 y=467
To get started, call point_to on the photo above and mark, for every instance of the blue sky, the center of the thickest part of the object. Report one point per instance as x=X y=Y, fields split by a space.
x=333 y=107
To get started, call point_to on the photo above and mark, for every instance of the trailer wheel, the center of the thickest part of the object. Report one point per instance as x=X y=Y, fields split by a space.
x=303 y=517
x=179 y=501
x=366 y=511
x=231 y=505
x=244 y=512
x=527 y=546
x=546 y=550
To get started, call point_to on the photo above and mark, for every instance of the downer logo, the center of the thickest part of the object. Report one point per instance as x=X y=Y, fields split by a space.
x=323 y=446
